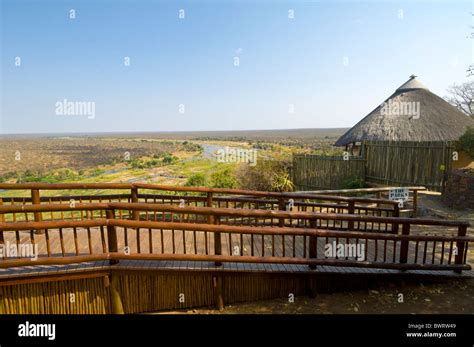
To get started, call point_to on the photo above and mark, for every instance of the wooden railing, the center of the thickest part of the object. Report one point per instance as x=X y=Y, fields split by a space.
x=207 y=197
x=377 y=193
x=102 y=232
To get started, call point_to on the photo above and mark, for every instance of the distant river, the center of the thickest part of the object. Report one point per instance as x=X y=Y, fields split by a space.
x=209 y=150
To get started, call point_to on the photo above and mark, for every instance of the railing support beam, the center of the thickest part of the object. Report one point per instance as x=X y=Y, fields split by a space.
x=460 y=247
x=36 y=200
x=112 y=236
x=115 y=299
x=313 y=244
x=134 y=198
x=404 y=244
x=217 y=241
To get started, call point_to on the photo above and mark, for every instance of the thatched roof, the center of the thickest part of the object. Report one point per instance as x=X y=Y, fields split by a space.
x=430 y=118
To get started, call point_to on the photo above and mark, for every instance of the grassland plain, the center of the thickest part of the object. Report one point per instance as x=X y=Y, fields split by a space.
x=161 y=158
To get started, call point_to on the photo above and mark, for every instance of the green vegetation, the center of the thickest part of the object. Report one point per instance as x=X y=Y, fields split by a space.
x=144 y=163
x=169 y=159
x=197 y=180
x=220 y=178
x=177 y=161
x=61 y=175
x=268 y=175
x=224 y=178
x=466 y=142
x=354 y=183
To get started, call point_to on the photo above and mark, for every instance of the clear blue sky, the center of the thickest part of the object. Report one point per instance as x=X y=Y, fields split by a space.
x=283 y=61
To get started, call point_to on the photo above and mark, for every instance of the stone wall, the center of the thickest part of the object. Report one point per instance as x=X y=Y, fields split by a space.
x=459 y=190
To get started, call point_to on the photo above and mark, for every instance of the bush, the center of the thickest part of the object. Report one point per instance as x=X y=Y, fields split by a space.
x=59 y=175
x=144 y=163
x=223 y=178
x=169 y=159
x=466 y=142
x=266 y=175
x=196 y=180
x=353 y=183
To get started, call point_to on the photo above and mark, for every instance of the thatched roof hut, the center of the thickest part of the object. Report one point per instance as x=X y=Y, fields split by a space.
x=412 y=113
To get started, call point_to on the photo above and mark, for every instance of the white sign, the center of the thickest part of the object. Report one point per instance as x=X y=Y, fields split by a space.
x=398 y=194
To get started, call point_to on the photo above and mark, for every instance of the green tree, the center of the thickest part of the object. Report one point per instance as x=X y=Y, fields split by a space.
x=196 y=180
x=466 y=142
x=223 y=178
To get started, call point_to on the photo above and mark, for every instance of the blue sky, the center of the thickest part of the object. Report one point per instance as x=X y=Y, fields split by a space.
x=190 y=61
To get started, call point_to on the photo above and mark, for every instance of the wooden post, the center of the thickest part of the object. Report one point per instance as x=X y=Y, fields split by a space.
x=210 y=218
x=350 y=210
x=396 y=213
x=378 y=195
x=134 y=199
x=281 y=207
x=313 y=244
x=2 y=220
x=217 y=242
x=415 y=203
x=218 y=287
x=115 y=299
x=311 y=287
x=112 y=236
x=459 y=258
x=404 y=244
x=36 y=200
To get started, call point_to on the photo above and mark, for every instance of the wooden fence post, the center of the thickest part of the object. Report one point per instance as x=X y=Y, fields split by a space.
x=111 y=236
x=396 y=213
x=459 y=258
x=210 y=218
x=36 y=200
x=378 y=195
x=217 y=241
x=2 y=220
x=281 y=207
x=415 y=203
x=313 y=244
x=115 y=299
x=404 y=244
x=218 y=287
x=134 y=199
x=350 y=210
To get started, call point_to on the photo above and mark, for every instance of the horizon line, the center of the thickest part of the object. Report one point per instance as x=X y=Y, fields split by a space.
x=165 y=131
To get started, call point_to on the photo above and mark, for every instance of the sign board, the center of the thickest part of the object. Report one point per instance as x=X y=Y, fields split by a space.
x=398 y=194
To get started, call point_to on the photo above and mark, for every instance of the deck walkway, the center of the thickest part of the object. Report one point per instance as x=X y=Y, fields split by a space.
x=169 y=241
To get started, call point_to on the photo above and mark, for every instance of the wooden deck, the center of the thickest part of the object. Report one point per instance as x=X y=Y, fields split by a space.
x=173 y=241
x=143 y=254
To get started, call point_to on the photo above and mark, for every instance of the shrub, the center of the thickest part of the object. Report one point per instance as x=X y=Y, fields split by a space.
x=353 y=183
x=169 y=159
x=196 y=180
x=466 y=142
x=223 y=178
x=267 y=175
x=144 y=163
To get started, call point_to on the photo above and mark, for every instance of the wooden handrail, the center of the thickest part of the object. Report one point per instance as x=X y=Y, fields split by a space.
x=114 y=256
x=359 y=190
x=222 y=228
x=98 y=186
x=231 y=212
x=225 y=258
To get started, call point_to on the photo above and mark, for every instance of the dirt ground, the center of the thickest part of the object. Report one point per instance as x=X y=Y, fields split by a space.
x=450 y=297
